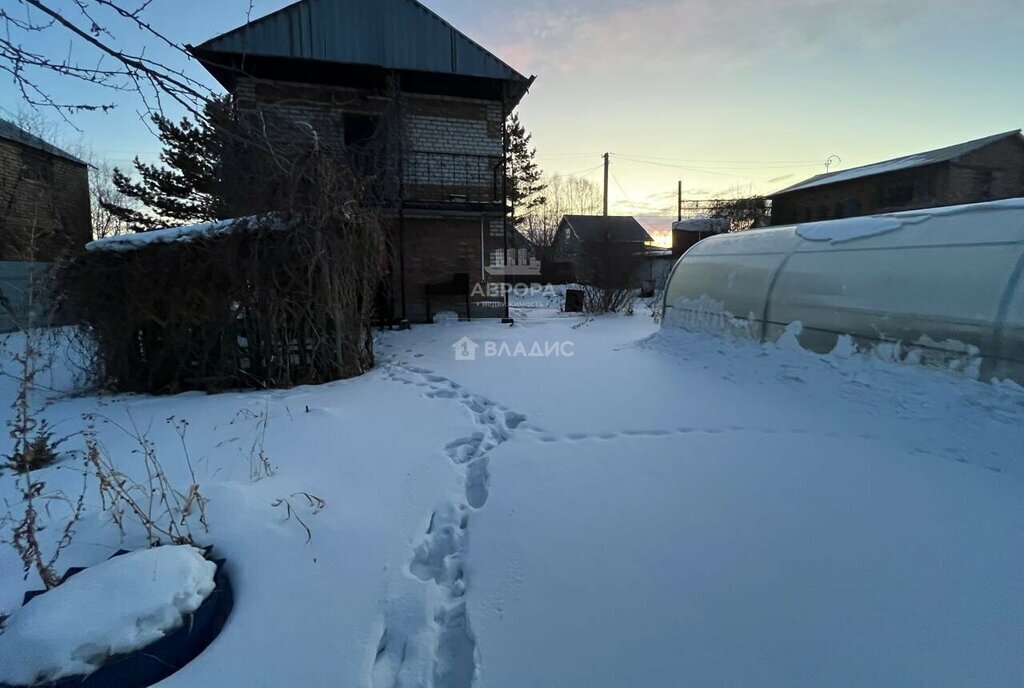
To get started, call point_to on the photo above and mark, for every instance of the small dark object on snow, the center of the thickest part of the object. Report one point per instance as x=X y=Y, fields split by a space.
x=573 y=300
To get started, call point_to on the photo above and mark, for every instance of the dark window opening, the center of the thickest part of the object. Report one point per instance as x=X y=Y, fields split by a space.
x=359 y=128
x=854 y=208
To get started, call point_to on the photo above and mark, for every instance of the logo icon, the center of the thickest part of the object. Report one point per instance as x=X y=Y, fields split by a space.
x=465 y=349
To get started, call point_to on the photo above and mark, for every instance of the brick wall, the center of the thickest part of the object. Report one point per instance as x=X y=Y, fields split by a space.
x=44 y=199
x=993 y=172
x=435 y=250
x=452 y=150
x=452 y=146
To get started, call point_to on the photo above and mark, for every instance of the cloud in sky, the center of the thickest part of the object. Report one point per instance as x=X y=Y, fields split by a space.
x=693 y=35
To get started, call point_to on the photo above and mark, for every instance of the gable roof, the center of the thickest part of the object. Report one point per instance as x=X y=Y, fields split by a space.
x=12 y=132
x=617 y=228
x=392 y=34
x=907 y=162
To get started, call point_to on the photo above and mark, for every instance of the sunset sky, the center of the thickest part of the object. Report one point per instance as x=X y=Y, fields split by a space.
x=728 y=95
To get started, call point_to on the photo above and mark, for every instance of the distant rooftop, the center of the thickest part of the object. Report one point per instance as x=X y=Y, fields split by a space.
x=619 y=228
x=12 y=132
x=907 y=162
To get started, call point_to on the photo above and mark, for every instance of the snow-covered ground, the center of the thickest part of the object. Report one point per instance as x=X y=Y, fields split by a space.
x=635 y=508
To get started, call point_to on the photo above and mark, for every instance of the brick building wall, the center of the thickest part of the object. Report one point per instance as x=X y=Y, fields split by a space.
x=990 y=173
x=452 y=147
x=436 y=249
x=44 y=204
x=451 y=153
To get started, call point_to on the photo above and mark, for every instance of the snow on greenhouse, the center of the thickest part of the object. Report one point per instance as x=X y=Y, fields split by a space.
x=942 y=286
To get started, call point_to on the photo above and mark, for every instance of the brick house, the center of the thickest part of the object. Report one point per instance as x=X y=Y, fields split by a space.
x=44 y=198
x=357 y=70
x=985 y=169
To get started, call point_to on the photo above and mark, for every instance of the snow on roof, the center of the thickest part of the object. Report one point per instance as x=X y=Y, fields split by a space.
x=702 y=224
x=905 y=163
x=137 y=240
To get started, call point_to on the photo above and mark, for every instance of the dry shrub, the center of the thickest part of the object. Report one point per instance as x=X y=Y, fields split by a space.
x=607 y=271
x=161 y=508
x=37 y=452
x=276 y=301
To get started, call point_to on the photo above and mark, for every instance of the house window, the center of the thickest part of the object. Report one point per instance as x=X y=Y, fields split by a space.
x=854 y=208
x=497 y=258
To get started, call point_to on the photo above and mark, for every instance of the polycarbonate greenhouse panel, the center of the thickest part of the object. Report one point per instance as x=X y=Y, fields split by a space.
x=941 y=286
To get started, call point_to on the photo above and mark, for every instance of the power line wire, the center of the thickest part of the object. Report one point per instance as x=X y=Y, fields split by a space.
x=723 y=162
x=714 y=171
x=619 y=184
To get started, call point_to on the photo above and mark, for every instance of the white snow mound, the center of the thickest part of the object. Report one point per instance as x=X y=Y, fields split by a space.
x=115 y=607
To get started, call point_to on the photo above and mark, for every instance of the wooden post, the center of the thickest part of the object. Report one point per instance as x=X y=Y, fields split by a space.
x=606 y=163
x=680 y=205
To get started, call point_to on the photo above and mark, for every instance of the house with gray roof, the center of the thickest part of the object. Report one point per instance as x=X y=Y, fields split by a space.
x=575 y=230
x=984 y=169
x=613 y=243
x=421 y=109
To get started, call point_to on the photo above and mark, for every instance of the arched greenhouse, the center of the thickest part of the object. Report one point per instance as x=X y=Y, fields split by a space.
x=942 y=286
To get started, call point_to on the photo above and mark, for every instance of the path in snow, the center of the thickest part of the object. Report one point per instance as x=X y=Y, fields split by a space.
x=440 y=553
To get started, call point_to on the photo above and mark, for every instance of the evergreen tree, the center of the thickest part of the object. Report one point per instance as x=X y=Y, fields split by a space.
x=187 y=186
x=525 y=189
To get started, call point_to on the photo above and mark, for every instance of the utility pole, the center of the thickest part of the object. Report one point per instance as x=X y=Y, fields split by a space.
x=680 y=204
x=607 y=157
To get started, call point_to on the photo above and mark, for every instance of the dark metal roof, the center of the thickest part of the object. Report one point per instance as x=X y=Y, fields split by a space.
x=948 y=154
x=12 y=132
x=390 y=34
x=618 y=228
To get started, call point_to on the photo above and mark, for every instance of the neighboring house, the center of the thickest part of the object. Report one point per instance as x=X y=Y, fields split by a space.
x=575 y=231
x=44 y=215
x=362 y=71
x=982 y=170
x=44 y=198
x=600 y=247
